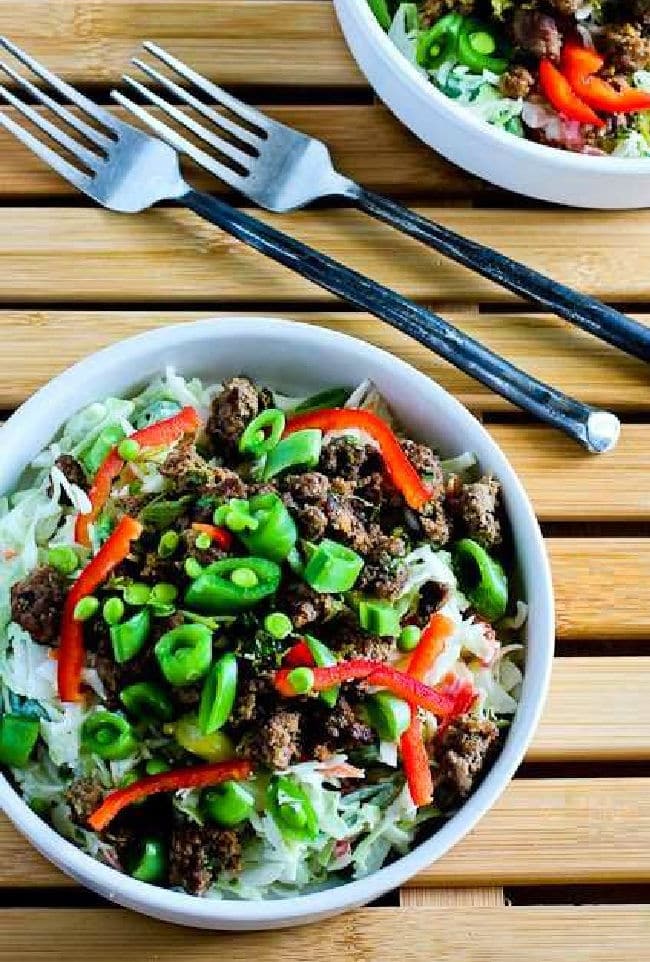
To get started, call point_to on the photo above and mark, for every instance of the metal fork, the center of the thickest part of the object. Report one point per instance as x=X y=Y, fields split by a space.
x=127 y=170
x=282 y=169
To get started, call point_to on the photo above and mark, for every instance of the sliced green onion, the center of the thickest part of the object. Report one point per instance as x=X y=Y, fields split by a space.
x=147 y=701
x=156 y=766
x=128 y=637
x=263 y=433
x=137 y=594
x=108 y=735
x=192 y=568
x=168 y=544
x=150 y=862
x=203 y=541
x=324 y=658
x=482 y=579
x=301 y=680
x=334 y=397
x=113 y=611
x=63 y=558
x=218 y=695
x=278 y=625
x=244 y=578
x=102 y=447
x=18 y=737
x=228 y=804
x=184 y=654
x=301 y=449
x=332 y=568
x=389 y=715
x=482 y=42
x=379 y=618
x=409 y=638
x=128 y=449
x=291 y=809
x=163 y=593
x=85 y=608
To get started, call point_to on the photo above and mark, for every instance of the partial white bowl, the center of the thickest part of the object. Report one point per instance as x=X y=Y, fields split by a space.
x=482 y=149
x=294 y=358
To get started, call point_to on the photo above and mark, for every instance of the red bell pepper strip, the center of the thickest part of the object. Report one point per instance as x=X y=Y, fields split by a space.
x=298 y=656
x=221 y=536
x=558 y=91
x=415 y=760
x=155 y=435
x=430 y=645
x=71 y=649
x=197 y=776
x=400 y=470
x=579 y=64
x=415 y=692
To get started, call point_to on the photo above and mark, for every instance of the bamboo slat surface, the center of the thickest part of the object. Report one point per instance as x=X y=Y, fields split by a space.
x=574 y=825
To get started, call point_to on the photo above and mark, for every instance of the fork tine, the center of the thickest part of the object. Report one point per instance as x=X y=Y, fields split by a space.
x=93 y=109
x=90 y=132
x=217 y=142
x=82 y=153
x=242 y=133
x=67 y=170
x=179 y=143
x=249 y=113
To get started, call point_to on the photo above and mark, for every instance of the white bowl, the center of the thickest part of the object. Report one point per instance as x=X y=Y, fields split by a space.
x=508 y=161
x=297 y=359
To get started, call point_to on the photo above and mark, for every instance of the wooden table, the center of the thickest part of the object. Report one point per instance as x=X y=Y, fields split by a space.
x=560 y=869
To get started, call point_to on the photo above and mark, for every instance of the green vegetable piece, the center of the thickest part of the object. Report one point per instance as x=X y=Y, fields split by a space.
x=301 y=449
x=480 y=50
x=102 y=447
x=217 y=747
x=85 y=608
x=278 y=625
x=334 y=397
x=203 y=541
x=192 y=568
x=18 y=737
x=275 y=533
x=332 y=568
x=213 y=592
x=301 y=680
x=162 y=514
x=382 y=15
x=218 y=695
x=409 y=638
x=168 y=544
x=228 y=804
x=147 y=701
x=156 y=766
x=236 y=515
x=113 y=610
x=163 y=593
x=263 y=433
x=108 y=735
x=379 y=618
x=149 y=864
x=440 y=42
x=156 y=411
x=128 y=449
x=63 y=558
x=324 y=658
x=137 y=594
x=388 y=715
x=482 y=579
x=244 y=578
x=291 y=809
x=128 y=637
x=184 y=654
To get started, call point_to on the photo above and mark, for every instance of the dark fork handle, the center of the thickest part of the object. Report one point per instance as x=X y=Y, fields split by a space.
x=586 y=312
x=595 y=430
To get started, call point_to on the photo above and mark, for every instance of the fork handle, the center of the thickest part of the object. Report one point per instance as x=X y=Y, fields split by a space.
x=596 y=430
x=586 y=312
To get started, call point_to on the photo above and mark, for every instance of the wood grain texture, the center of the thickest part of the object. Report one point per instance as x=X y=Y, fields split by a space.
x=487 y=897
x=601 y=587
x=544 y=345
x=616 y=933
x=87 y=254
x=266 y=43
x=546 y=831
x=397 y=161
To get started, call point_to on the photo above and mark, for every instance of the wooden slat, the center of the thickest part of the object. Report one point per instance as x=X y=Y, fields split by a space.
x=545 y=831
x=166 y=254
x=546 y=346
x=566 y=484
x=266 y=43
x=616 y=933
x=601 y=587
x=487 y=897
x=397 y=163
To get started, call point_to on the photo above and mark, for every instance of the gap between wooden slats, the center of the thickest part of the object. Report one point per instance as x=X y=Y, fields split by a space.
x=617 y=933
x=544 y=345
x=87 y=255
x=264 y=43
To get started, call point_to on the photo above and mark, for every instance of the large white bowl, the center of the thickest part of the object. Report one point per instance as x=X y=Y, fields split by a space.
x=485 y=150
x=295 y=358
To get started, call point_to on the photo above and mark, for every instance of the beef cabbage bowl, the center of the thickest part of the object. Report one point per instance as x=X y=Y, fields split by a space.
x=256 y=645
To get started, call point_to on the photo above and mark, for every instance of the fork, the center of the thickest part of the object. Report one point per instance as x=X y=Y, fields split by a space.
x=282 y=169
x=127 y=170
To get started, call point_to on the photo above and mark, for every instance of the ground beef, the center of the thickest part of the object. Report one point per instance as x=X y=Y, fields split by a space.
x=226 y=484
x=435 y=523
x=537 y=34
x=305 y=496
x=255 y=695
x=311 y=521
x=384 y=580
x=205 y=556
x=345 y=636
x=304 y=605
x=479 y=507
x=432 y=10
x=83 y=796
x=345 y=457
x=232 y=409
x=198 y=854
x=625 y=47
x=276 y=743
x=185 y=467
x=346 y=525
x=73 y=471
x=37 y=603
x=516 y=82
x=462 y=753
x=335 y=730
x=567 y=7
x=425 y=461
x=311 y=486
